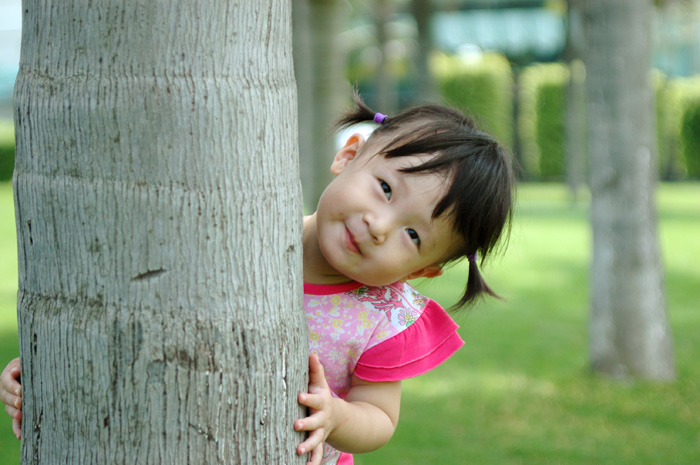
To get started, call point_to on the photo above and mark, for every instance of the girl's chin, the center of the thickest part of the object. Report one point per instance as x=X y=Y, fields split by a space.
x=371 y=281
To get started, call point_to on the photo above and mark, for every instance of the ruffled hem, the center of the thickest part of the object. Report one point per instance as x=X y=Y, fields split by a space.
x=424 y=345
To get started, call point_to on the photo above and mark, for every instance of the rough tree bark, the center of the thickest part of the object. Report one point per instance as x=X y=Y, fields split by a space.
x=629 y=332
x=159 y=224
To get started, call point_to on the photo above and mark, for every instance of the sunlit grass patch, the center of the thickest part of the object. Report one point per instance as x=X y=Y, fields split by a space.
x=520 y=391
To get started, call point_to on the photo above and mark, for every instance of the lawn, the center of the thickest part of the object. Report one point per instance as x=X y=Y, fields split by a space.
x=520 y=391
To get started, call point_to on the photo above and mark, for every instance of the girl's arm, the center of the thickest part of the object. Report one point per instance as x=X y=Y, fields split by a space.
x=364 y=421
x=11 y=393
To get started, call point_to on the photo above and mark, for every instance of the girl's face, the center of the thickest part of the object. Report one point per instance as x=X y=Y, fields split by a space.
x=374 y=222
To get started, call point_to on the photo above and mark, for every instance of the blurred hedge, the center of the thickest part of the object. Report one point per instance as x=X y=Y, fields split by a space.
x=481 y=86
x=541 y=123
x=7 y=150
x=541 y=120
x=681 y=125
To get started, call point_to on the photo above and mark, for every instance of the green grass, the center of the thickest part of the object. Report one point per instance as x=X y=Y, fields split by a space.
x=9 y=445
x=520 y=391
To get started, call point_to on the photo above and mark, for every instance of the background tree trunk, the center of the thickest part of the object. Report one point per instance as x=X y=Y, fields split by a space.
x=323 y=88
x=387 y=89
x=575 y=123
x=422 y=11
x=158 y=219
x=303 y=69
x=629 y=332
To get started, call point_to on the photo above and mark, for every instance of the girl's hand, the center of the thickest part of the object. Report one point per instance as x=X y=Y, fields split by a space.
x=320 y=422
x=362 y=422
x=11 y=393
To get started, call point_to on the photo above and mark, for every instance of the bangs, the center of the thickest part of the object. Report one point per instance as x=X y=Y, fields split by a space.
x=476 y=165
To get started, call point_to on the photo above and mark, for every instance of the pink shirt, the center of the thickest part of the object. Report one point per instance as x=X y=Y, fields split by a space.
x=385 y=333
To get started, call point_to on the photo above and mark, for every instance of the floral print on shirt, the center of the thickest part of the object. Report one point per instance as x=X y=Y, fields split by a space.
x=342 y=326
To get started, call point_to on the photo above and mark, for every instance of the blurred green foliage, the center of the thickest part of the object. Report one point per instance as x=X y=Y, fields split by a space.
x=667 y=166
x=542 y=114
x=686 y=95
x=691 y=138
x=541 y=120
x=7 y=150
x=551 y=104
x=680 y=133
x=481 y=86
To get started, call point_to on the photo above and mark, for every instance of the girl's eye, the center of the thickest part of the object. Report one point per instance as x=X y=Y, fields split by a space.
x=414 y=236
x=386 y=188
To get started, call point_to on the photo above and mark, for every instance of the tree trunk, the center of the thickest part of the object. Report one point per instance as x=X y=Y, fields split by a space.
x=320 y=66
x=575 y=122
x=629 y=332
x=159 y=226
x=422 y=11
x=386 y=88
x=303 y=69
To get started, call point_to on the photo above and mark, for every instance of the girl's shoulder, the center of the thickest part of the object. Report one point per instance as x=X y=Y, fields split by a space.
x=399 y=332
x=421 y=336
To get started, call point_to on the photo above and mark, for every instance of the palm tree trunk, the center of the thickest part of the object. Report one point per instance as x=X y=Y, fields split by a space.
x=629 y=332
x=159 y=224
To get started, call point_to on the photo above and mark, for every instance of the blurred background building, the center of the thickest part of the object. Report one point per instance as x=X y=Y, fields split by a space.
x=524 y=31
x=508 y=62
x=10 y=34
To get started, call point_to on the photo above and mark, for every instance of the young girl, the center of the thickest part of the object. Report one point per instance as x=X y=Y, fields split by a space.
x=425 y=189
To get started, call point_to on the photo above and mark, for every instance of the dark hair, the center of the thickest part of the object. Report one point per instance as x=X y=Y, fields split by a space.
x=481 y=196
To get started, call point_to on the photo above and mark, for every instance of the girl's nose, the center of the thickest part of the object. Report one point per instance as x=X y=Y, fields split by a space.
x=378 y=226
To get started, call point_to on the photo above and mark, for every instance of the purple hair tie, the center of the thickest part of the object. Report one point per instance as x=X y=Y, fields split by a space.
x=472 y=257
x=379 y=118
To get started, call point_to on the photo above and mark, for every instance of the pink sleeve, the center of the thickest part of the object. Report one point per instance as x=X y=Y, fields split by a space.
x=425 y=344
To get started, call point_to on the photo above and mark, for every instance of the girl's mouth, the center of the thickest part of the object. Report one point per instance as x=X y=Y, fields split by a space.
x=350 y=242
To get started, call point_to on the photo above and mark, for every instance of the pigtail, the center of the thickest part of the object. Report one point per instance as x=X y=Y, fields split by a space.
x=476 y=287
x=360 y=113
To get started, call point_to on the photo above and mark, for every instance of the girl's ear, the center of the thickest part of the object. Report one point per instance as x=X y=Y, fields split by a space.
x=431 y=271
x=347 y=154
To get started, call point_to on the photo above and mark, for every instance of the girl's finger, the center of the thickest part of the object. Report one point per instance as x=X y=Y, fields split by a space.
x=316 y=372
x=10 y=387
x=12 y=368
x=13 y=412
x=17 y=429
x=316 y=455
x=311 y=400
x=314 y=439
x=5 y=396
x=310 y=423
x=10 y=400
